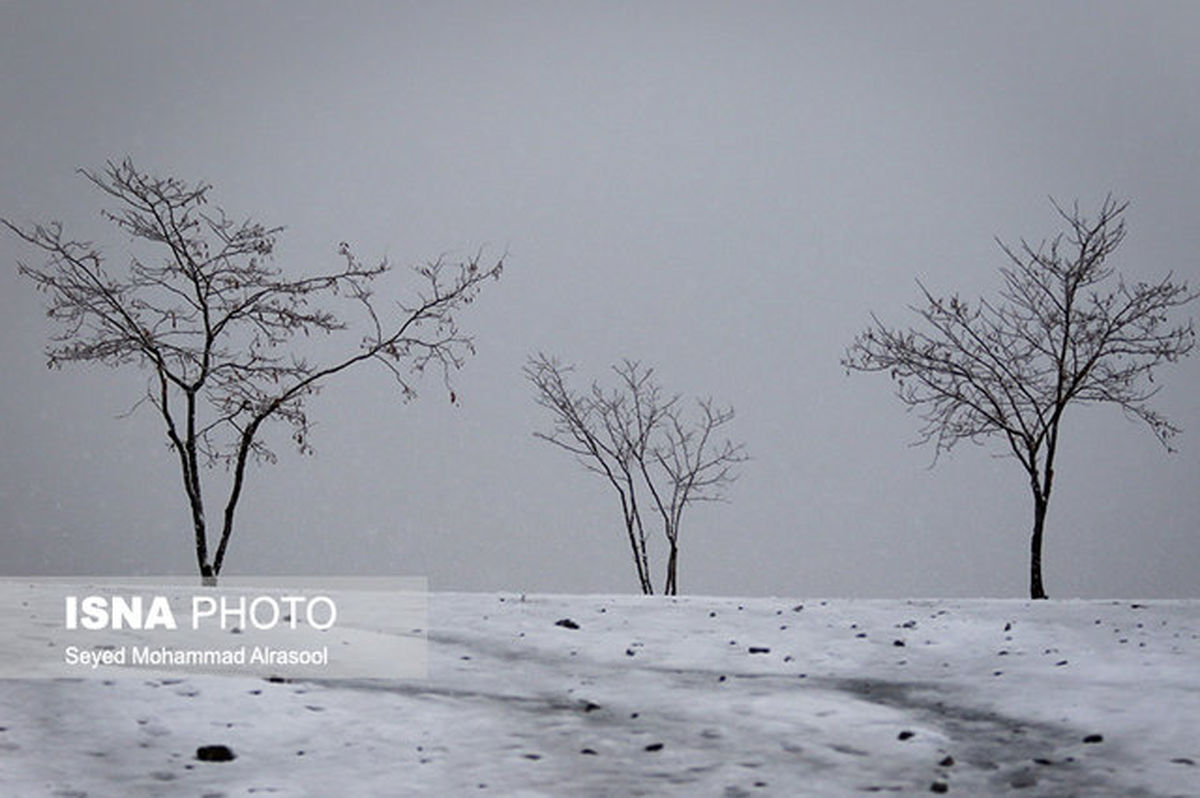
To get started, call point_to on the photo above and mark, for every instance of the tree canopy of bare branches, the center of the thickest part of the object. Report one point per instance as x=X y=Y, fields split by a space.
x=646 y=445
x=1066 y=330
x=201 y=307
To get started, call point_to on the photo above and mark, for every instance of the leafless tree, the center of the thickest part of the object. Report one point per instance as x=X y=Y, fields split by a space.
x=201 y=308
x=643 y=443
x=1066 y=330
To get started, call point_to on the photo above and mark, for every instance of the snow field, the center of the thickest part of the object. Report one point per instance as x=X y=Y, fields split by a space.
x=687 y=696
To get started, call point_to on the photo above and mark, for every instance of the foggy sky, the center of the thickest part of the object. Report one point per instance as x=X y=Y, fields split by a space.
x=723 y=191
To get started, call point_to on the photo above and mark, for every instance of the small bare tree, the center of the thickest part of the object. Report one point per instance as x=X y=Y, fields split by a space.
x=643 y=443
x=1066 y=330
x=200 y=307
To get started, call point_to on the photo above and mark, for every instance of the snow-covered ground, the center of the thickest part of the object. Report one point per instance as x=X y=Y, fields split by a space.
x=660 y=696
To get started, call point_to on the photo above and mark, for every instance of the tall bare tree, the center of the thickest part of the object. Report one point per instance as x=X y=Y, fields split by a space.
x=200 y=306
x=644 y=443
x=1066 y=330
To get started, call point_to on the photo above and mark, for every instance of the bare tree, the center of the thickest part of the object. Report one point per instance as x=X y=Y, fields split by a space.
x=643 y=443
x=1066 y=330
x=200 y=307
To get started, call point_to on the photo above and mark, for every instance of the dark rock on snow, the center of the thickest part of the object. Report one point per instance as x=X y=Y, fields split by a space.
x=215 y=753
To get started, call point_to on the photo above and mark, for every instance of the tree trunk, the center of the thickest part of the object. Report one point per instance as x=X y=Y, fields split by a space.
x=639 y=556
x=200 y=536
x=1036 y=591
x=671 y=587
x=643 y=577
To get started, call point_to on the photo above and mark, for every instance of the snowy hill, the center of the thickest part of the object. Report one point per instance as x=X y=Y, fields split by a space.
x=660 y=696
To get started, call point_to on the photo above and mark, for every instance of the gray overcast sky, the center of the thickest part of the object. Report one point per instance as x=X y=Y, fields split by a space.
x=722 y=190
